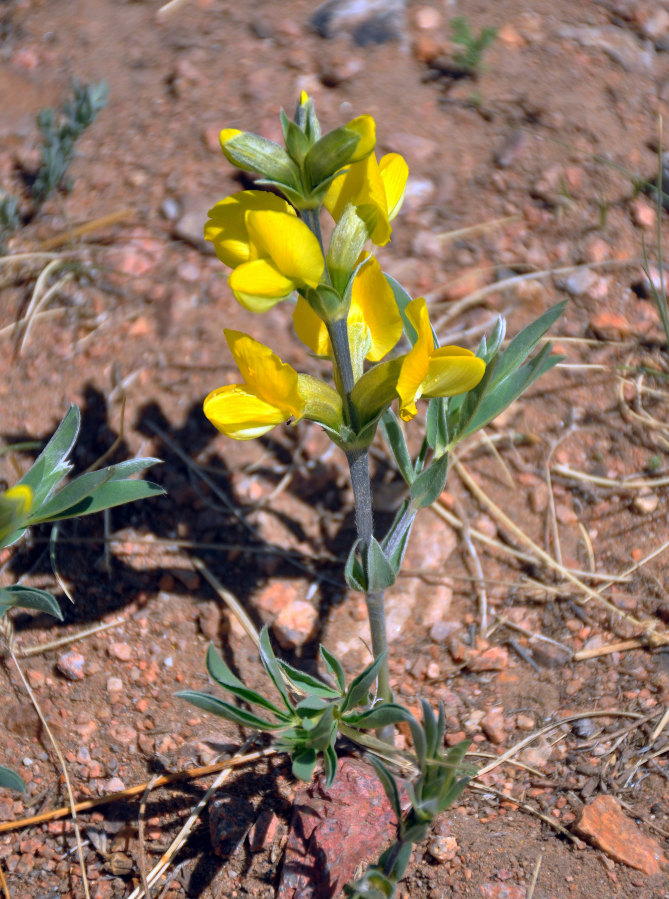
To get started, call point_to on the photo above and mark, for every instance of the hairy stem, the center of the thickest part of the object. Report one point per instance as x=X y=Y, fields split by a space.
x=358 y=462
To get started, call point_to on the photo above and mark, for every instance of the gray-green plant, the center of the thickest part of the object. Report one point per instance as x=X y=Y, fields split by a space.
x=60 y=131
x=469 y=58
x=41 y=497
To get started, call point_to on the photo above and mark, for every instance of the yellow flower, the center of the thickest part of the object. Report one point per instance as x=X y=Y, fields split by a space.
x=15 y=504
x=375 y=188
x=268 y=396
x=272 y=393
x=271 y=251
x=374 y=322
x=365 y=126
x=431 y=372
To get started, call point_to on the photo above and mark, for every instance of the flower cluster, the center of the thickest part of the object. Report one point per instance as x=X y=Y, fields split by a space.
x=346 y=309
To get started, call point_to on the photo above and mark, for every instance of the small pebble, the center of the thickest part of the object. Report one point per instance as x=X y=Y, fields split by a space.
x=71 y=665
x=120 y=651
x=295 y=624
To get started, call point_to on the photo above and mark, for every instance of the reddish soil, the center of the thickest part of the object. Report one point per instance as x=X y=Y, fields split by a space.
x=528 y=168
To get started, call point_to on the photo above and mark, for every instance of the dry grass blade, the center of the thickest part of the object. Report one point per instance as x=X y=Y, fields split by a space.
x=71 y=638
x=595 y=653
x=664 y=720
x=482 y=788
x=652 y=636
x=236 y=761
x=231 y=601
x=182 y=836
x=66 y=777
x=622 y=486
x=3 y=885
x=140 y=838
x=535 y=876
x=603 y=713
x=38 y=301
x=86 y=228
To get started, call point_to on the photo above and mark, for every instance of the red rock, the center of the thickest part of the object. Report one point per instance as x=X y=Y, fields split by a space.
x=35 y=678
x=494 y=659
x=609 y=325
x=333 y=831
x=604 y=824
x=71 y=665
x=264 y=831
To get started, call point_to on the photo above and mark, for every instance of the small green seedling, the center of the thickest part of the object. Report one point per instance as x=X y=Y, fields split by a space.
x=473 y=46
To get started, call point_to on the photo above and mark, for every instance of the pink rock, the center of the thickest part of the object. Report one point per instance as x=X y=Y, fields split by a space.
x=295 y=624
x=120 y=651
x=492 y=725
x=71 y=665
x=333 y=831
x=264 y=831
x=604 y=824
x=492 y=890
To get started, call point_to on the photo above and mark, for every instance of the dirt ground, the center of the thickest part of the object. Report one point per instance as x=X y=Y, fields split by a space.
x=558 y=517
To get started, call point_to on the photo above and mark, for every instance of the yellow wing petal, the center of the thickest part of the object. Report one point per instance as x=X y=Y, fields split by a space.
x=373 y=302
x=239 y=413
x=265 y=374
x=394 y=174
x=452 y=370
x=289 y=243
x=226 y=225
x=259 y=285
x=311 y=329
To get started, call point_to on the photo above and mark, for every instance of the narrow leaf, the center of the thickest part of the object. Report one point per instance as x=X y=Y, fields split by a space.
x=11 y=780
x=388 y=784
x=379 y=716
x=330 y=764
x=525 y=341
x=430 y=483
x=220 y=672
x=354 y=573
x=335 y=668
x=304 y=764
x=29 y=598
x=394 y=436
x=271 y=666
x=223 y=709
x=358 y=691
x=306 y=683
x=51 y=465
x=380 y=571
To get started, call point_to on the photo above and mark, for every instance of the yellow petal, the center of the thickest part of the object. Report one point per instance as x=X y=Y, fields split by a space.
x=226 y=226
x=416 y=363
x=15 y=504
x=349 y=187
x=310 y=329
x=265 y=374
x=452 y=370
x=365 y=126
x=373 y=303
x=289 y=243
x=394 y=174
x=259 y=279
x=227 y=134
x=239 y=413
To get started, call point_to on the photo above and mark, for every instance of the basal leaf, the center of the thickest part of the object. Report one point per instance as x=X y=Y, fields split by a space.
x=28 y=598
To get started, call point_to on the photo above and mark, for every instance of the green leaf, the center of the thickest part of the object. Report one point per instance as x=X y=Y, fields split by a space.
x=335 y=668
x=430 y=483
x=504 y=393
x=51 y=465
x=223 y=709
x=388 y=784
x=304 y=763
x=28 y=598
x=358 y=691
x=419 y=742
x=11 y=780
x=380 y=571
x=296 y=141
x=322 y=734
x=525 y=341
x=394 y=436
x=311 y=707
x=402 y=298
x=306 y=683
x=330 y=764
x=272 y=668
x=220 y=672
x=379 y=716
x=354 y=573
x=430 y=728
x=436 y=427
